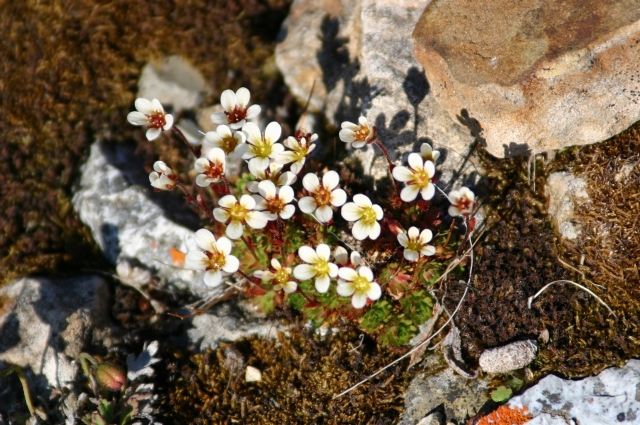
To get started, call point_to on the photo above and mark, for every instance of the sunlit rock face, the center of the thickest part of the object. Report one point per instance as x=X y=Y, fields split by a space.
x=535 y=75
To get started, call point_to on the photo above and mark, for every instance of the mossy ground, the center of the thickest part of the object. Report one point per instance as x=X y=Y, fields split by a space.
x=68 y=75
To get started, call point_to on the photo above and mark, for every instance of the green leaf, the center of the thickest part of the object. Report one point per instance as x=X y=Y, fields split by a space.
x=501 y=394
x=242 y=181
x=515 y=383
x=316 y=315
x=106 y=410
x=398 y=333
x=266 y=302
x=378 y=314
x=296 y=301
x=417 y=307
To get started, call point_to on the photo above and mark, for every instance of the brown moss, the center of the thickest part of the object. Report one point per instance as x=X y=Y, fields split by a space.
x=300 y=376
x=68 y=76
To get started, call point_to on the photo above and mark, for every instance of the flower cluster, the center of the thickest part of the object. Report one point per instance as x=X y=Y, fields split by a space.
x=298 y=258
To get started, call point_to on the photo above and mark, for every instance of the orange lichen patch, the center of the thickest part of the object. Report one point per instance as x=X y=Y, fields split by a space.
x=505 y=415
x=177 y=257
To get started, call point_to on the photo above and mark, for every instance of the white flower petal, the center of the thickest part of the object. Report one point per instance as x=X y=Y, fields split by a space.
x=346 y=290
x=260 y=163
x=212 y=278
x=341 y=256
x=304 y=271
x=324 y=214
x=365 y=272
x=247 y=202
x=137 y=118
x=242 y=97
x=347 y=273
x=168 y=122
x=415 y=161
x=330 y=180
x=338 y=197
x=454 y=211
x=429 y=167
x=307 y=204
x=272 y=132
x=267 y=189
x=374 y=291
x=290 y=287
x=311 y=182
x=308 y=255
x=234 y=229
x=323 y=283
x=254 y=136
x=286 y=194
x=428 y=192
x=351 y=212
x=221 y=215
x=411 y=255
x=413 y=232
x=231 y=265
x=403 y=239
x=218 y=118
x=358 y=300
x=144 y=106
x=224 y=246
x=428 y=250
x=157 y=106
x=360 y=230
x=333 y=270
x=323 y=251
x=346 y=135
x=196 y=260
x=409 y=193
x=287 y=212
x=362 y=200
x=375 y=231
x=402 y=174
x=205 y=240
x=227 y=201
x=378 y=211
x=256 y=220
x=253 y=111
x=425 y=236
x=153 y=133
x=275 y=264
x=228 y=100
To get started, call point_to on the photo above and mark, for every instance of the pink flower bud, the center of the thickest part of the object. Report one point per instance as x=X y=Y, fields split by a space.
x=111 y=376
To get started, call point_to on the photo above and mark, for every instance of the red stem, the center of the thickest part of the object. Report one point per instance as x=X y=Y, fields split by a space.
x=193 y=149
x=391 y=165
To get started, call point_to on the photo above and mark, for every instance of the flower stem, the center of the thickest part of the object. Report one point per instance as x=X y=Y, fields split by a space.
x=280 y=226
x=200 y=206
x=192 y=148
x=250 y=248
x=391 y=164
x=226 y=185
x=23 y=382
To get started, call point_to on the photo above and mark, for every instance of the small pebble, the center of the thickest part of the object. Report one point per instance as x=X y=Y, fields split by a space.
x=509 y=357
x=252 y=374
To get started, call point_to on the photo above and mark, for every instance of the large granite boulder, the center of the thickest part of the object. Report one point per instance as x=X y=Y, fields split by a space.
x=360 y=55
x=535 y=75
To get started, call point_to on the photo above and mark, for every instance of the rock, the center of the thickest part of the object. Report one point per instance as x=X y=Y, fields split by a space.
x=611 y=397
x=252 y=374
x=564 y=190
x=459 y=397
x=434 y=418
x=508 y=357
x=44 y=325
x=226 y=323
x=173 y=81
x=114 y=199
x=358 y=55
x=547 y=75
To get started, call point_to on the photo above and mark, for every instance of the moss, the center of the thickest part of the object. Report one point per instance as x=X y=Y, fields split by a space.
x=68 y=76
x=300 y=376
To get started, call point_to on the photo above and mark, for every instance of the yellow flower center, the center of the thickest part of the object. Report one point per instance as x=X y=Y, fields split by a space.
x=414 y=245
x=238 y=212
x=229 y=144
x=282 y=276
x=363 y=133
x=421 y=178
x=322 y=196
x=361 y=284
x=263 y=148
x=322 y=267
x=275 y=205
x=368 y=215
x=217 y=260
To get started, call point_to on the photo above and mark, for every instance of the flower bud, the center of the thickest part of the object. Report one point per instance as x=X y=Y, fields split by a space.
x=395 y=227
x=111 y=376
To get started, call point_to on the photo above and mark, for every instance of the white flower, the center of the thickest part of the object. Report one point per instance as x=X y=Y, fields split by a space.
x=262 y=147
x=236 y=214
x=344 y=259
x=359 y=285
x=322 y=196
x=211 y=168
x=280 y=274
x=358 y=134
x=318 y=266
x=163 y=178
x=236 y=113
x=274 y=202
x=151 y=114
x=417 y=178
x=415 y=243
x=429 y=154
x=214 y=257
x=298 y=153
x=462 y=202
x=273 y=173
x=233 y=144
x=365 y=215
